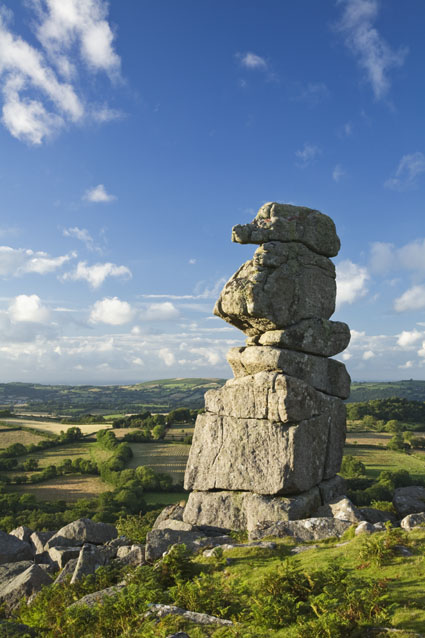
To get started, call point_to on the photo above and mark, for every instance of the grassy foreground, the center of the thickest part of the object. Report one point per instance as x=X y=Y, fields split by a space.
x=334 y=589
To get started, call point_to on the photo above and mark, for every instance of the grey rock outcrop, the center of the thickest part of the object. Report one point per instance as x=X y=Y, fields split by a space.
x=409 y=500
x=22 y=532
x=12 y=549
x=23 y=585
x=310 y=529
x=413 y=520
x=82 y=531
x=270 y=442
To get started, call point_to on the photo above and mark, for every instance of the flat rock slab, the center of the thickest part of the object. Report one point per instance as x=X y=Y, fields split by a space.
x=23 y=585
x=310 y=529
x=243 y=510
x=281 y=285
x=160 y=611
x=327 y=375
x=409 y=500
x=313 y=336
x=83 y=531
x=12 y=549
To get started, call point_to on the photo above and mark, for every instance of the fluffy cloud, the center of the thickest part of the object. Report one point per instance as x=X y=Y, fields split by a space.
x=167 y=356
x=98 y=194
x=351 y=282
x=373 y=54
x=412 y=299
x=19 y=261
x=407 y=172
x=112 y=311
x=407 y=338
x=28 y=308
x=95 y=275
x=160 y=312
x=252 y=61
x=39 y=100
x=307 y=155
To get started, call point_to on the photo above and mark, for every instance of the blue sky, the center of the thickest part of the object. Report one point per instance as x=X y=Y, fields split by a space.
x=135 y=134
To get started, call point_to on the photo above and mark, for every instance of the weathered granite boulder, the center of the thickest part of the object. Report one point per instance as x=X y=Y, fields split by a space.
x=134 y=557
x=67 y=571
x=332 y=488
x=12 y=549
x=83 y=531
x=409 y=500
x=327 y=375
x=313 y=336
x=231 y=510
x=23 y=585
x=38 y=541
x=264 y=457
x=413 y=520
x=160 y=611
x=287 y=223
x=343 y=509
x=365 y=528
x=61 y=555
x=280 y=286
x=22 y=532
x=373 y=515
x=10 y=570
x=159 y=540
x=98 y=596
x=174 y=511
x=89 y=560
x=310 y=529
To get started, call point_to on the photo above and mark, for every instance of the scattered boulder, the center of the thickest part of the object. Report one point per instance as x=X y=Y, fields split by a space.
x=364 y=528
x=61 y=555
x=22 y=532
x=67 y=571
x=343 y=509
x=91 y=600
x=135 y=557
x=174 y=511
x=10 y=570
x=83 y=531
x=409 y=500
x=38 y=541
x=310 y=529
x=413 y=520
x=89 y=559
x=12 y=549
x=160 y=611
x=23 y=585
x=159 y=540
x=373 y=515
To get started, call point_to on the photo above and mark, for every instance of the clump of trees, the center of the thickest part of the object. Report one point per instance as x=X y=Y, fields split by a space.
x=386 y=410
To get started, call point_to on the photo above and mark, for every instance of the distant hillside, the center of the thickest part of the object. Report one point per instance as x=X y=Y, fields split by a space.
x=412 y=390
x=160 y=395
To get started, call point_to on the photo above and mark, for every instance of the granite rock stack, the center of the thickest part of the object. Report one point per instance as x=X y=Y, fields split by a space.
x=270 y=442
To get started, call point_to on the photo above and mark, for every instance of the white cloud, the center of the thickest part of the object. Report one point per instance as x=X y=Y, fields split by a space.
x=382 y=257
x=407 y=365
x=337 y=173
x=351 y=282
x=368 y=354
x=192 y=261
x=307 y=155
x=408 y=169
x=95 y=275
x=202 y=291
x=407 y=338
x=167 y=356
x=412 y=299
x=39 y=100
x=252 y=61
x=28 y=308
x=160 y=312
x=112 y=311
x=19 y=261
x=82 y=234
x=98 y=194
x=373 y=53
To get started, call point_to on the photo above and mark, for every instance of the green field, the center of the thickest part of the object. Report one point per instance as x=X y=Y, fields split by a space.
x=161 y=457
x=65 y=488
x=378 y=459
x=164 y=498
x=10 y=436
x=179 y=431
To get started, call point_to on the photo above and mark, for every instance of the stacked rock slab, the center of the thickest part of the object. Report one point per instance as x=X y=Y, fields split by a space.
x=270 y=442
